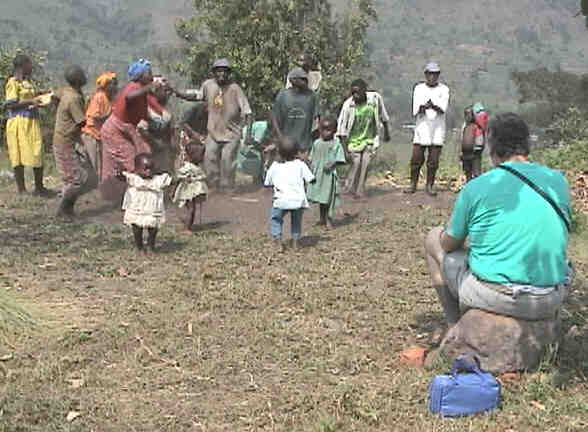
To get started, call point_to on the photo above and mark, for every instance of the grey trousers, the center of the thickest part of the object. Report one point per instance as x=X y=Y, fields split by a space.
x=464 y=291
x=220 y=162
x=357 y=176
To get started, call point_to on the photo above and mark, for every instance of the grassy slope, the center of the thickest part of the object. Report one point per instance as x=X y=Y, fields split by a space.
x=215 y=335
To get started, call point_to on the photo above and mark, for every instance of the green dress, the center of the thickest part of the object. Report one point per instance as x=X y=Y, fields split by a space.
x=325 y=189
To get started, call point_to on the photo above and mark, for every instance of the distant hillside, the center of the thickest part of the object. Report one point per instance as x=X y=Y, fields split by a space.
x=99 y=34
x=478 y=43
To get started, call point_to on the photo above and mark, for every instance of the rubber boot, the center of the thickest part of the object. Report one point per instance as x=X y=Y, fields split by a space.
x=431 y=181
x=66 y=206
x=19 y=179
x=40 y=190
x=414 y=179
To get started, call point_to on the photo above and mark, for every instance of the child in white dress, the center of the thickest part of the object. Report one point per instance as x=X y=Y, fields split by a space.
x=143 y=202
x=191 y=189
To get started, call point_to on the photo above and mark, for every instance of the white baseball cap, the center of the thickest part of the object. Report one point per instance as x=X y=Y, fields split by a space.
x=432 y=67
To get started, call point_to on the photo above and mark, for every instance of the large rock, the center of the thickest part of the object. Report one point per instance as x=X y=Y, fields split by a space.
x=503 y=344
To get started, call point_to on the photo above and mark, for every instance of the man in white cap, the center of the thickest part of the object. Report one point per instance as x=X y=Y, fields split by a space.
x=228 y=112
x=430 y=100
x=295 y=110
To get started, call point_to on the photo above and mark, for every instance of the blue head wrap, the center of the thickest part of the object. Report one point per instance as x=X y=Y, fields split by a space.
x=137 y=69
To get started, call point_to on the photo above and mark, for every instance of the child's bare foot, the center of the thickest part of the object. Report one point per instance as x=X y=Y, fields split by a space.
x=329 y=224
x=186 y=231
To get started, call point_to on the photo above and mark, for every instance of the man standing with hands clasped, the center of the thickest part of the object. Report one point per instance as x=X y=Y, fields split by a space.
x=429 y=104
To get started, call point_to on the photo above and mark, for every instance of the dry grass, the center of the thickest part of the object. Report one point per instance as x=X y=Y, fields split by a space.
x=215 y=333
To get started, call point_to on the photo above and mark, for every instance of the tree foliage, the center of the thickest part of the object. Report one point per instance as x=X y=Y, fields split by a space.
x=263 y=38
x=550 y=93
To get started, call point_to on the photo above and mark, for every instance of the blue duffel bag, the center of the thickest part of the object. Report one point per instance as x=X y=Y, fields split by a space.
x=461 y=394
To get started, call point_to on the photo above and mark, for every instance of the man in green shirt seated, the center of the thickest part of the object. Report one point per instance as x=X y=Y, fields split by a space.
x=515 y=263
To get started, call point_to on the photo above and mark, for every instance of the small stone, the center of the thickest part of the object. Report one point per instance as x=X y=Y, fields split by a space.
x=72 y=415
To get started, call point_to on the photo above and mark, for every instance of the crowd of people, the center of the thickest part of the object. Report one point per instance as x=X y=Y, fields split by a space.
x=516 y=218
x=96 y=143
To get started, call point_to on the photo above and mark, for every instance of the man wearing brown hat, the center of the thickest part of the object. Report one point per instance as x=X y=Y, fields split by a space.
x=429 y=104
x=228 y=111
x=295 y=109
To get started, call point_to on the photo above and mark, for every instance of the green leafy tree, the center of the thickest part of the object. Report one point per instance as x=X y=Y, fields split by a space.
x=264 y=37
x=548 y=94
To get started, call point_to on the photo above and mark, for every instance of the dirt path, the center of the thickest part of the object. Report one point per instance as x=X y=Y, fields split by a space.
x=247 y=210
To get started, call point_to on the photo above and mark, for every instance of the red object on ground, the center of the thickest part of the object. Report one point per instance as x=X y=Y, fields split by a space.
x=413 y=356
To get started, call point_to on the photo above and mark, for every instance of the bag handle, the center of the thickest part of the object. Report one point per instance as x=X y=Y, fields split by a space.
x=540 y=191
x=466 y=362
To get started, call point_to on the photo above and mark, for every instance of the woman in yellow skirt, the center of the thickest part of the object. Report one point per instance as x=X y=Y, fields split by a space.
x=23 y=128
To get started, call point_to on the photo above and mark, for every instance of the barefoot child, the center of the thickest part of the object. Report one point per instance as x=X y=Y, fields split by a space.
x=143 y=201
x=325 y=154
x=191 y=189
x=288 y=177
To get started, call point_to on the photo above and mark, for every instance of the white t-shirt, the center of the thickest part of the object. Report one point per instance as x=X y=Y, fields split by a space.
x=430 y=126
x=288 y=179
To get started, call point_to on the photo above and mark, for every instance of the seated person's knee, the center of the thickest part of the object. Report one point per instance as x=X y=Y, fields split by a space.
x=433 y=241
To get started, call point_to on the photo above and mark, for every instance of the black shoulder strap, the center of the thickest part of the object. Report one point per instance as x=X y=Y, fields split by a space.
x=539 y=191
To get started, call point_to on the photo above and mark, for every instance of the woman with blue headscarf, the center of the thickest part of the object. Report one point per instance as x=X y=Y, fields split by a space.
x=121 y=134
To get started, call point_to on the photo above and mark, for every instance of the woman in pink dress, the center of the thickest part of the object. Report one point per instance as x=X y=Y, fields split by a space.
x=121 y=136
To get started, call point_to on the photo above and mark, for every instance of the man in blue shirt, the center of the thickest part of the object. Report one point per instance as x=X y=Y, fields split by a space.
x=515 y=263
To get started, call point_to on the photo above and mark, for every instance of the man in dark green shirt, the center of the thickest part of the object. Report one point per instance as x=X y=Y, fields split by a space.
x=295 y=109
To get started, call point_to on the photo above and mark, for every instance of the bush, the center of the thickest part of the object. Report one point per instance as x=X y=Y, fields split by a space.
x=570 y=156
x=570 y=134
